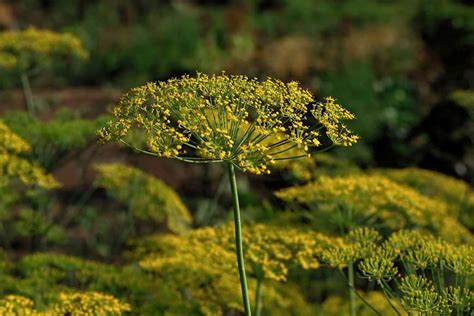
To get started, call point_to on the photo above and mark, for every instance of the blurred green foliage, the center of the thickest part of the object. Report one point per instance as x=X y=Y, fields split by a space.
x=51 y=141
x=403 y=67
x=147 y=198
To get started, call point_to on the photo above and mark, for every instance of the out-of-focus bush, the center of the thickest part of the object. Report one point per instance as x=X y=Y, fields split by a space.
x=53 y=140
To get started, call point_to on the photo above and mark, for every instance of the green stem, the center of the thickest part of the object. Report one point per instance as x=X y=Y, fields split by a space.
x=460 y=308
x=352 y=307
x=360 y=296
x=388 y=295
x=258 y=297
x=238 y=239
x=28 y=94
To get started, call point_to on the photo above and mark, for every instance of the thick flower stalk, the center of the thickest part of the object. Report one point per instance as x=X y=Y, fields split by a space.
x=245 y=123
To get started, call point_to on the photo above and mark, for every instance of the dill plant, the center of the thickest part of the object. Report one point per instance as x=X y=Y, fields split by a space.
x=14 y=166
x=67 y=303
x=56 y=140
x=28 y=52
x=354 y=200
x=147 y=198
x=416 y=272
x=207 y=256
x=229 y=119
x=345 y=202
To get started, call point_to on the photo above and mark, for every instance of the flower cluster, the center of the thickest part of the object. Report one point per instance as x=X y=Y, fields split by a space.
x=16 y=305
x=228 y=118
x=359 y=243
x=420 y=295
x=457 y=194
x=202 y=262
x=89 y=303
x=269 y=250
x=10 y=142
x=74 y=304
x=25 y=50
x=422 y=273
x=376 y=200
x=416 y=253
x=13 y=166
x=147 y=197
x=205 y=272
x=305 y=170
x=43 y=276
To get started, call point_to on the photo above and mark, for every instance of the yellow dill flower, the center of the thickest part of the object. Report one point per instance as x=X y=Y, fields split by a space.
x=459 y=298
x=17 y=305
x=459 y=259
x=147 y=196
x=202 y=262
x=270 y=250
x=25 y=50
x=429 y=182
x=378 y=267
x=357 y=244
x=227 y=118
x=376 y=200
x=420 y=295
x=13 y=166
x=412 y=267
x=11 y=142
x=305 y=170
x=89 y=303
x=456 y=193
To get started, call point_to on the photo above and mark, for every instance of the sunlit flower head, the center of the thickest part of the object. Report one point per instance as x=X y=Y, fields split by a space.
x=249 y=123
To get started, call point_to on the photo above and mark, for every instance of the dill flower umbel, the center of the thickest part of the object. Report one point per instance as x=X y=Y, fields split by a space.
x=68 y=303
x=206 y=256
x=228 y=118
x=13 y=166
x=25 y=50
x=89 y=303
x=456 y=193
x=416 y=271
x=376 y=200
x=16 y=305
x=147 y=197
x=270 y=250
